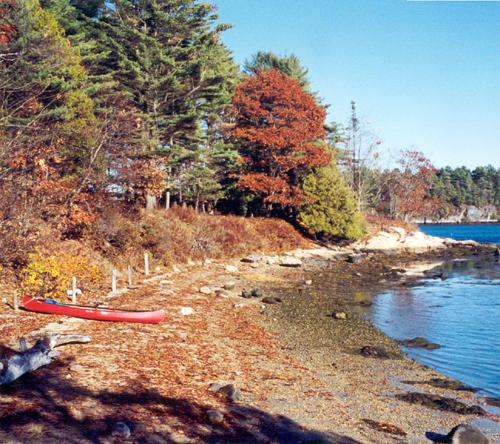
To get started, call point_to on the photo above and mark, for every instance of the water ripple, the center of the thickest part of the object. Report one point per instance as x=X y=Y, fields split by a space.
x=462 y=314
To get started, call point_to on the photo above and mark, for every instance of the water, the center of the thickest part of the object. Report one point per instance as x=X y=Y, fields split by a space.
x=462 y=314
x=484 y=233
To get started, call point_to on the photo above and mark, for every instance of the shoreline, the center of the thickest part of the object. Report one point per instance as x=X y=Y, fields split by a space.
x=286 y=395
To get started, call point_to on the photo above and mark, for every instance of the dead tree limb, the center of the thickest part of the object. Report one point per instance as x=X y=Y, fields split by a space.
x=29 y=359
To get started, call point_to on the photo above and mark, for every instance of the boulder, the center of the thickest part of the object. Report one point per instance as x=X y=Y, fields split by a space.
x=421 y=343
x=288 y=261
x=339 y=315
x=230 y=391
x=257 y=293
x=466 y=434
x=246 y=294
x=121 y=430
x=205 y=290
x=186 y=311
x=251 y=259
x=355 y=258
x=215 y=416
x=231 y=268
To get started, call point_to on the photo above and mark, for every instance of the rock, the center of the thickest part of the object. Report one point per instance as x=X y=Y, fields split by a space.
x=208 y=262
x=421 y=343
x=246 y=294
x=466 y=434
x=205 y=290
x=257 y=293
x=231 y=268
x=121 y=429
x=229 y=285
x=495 y=402
x=363 y=303
x=271 y=300
x=497 y=252
x=215 y=387
x=460 y=434
x=355 y=258
x=271 y=260
x=252 y=258
x=176 y=269
x=340 y=315
x=288 y=261
x=215 y=416
x=222 y=293
x=371 y=351
x=255 y=265
x=436 y=275
x=186 y=311
x=231 y=392
x=166 y=282
x=191 y=263
x=308 y=282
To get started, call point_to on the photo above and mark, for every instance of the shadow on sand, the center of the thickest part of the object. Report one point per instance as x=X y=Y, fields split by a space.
x=47 y=407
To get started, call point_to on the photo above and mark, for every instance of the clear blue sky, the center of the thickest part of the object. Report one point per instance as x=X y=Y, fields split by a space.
x=424 y=74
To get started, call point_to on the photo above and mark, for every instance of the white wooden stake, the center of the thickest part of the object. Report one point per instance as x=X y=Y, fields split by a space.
x=73 y=290
x=146 y=264
x=113 y=281
x=16 y=302
x=129 y=275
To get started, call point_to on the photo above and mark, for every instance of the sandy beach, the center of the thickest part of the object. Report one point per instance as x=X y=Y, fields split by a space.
x=288 y=385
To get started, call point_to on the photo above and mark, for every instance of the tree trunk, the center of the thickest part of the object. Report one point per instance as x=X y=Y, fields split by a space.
x=150 y=202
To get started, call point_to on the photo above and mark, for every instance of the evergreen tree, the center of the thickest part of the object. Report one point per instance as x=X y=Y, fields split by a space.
x=167 y=56
x=288 y=65
x=47 y=145
x=331 y=209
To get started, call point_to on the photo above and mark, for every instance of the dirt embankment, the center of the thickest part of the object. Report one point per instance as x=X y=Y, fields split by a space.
x=156 y=378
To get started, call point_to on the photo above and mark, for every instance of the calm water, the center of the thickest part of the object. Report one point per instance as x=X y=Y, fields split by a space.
x=484 y=233
x=462 y=313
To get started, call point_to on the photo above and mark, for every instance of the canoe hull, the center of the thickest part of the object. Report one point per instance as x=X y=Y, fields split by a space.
x=98 y=314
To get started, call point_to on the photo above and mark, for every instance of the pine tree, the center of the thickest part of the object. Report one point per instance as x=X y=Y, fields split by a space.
x=288 y=65
x=46 y=119
x=167 y=57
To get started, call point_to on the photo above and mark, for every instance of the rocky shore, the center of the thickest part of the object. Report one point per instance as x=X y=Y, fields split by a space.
x=249 y=353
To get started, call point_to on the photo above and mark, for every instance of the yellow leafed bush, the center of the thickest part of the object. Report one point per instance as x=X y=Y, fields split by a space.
x=50 y=275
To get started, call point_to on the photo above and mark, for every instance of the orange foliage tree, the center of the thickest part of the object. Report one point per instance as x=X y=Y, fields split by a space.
x=409 y=187
x=279 y=129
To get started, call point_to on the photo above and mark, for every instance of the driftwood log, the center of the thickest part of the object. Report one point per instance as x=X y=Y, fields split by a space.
x=14 y=364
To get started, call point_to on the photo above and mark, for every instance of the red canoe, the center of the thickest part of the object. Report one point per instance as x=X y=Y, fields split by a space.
x=98 y=314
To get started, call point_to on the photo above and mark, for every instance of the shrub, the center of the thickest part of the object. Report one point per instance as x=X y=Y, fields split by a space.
x=331 y=209
x=50 y=276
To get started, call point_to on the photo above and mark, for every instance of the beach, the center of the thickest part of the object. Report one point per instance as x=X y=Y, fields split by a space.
x=288 y=385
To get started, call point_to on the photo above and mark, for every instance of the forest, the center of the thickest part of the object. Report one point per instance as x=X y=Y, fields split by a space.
x=108 y=108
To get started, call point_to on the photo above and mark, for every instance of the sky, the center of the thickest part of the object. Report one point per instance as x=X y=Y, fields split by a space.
x=424 y=74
